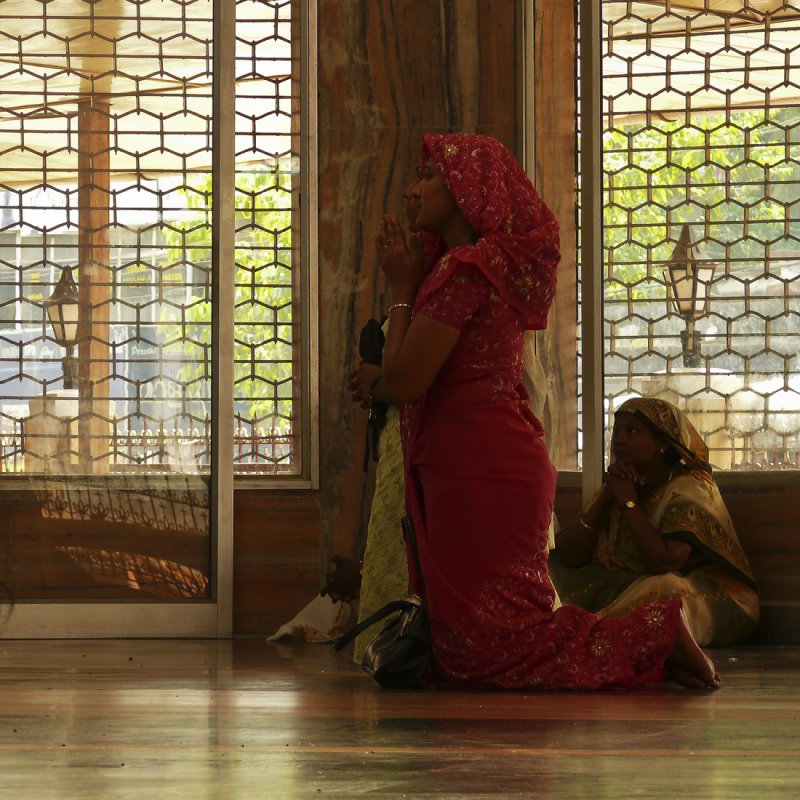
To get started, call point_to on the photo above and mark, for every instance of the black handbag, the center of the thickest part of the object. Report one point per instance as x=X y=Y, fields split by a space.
x=400 y=655
x=370 y=348
x=371 y=341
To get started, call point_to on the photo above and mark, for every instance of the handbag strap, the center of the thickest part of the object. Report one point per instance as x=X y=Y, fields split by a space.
x=395 y=605
x=412 y=601
x=411 y=540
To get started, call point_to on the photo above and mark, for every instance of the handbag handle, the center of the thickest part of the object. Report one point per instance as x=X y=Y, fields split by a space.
x=395 y=605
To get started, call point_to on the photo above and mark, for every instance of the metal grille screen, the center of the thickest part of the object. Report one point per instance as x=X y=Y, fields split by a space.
x=105 y=185
x=701 y=153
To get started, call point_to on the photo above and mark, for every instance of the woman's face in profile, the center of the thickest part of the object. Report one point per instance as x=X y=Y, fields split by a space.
x=633 y=442
x=437 y=206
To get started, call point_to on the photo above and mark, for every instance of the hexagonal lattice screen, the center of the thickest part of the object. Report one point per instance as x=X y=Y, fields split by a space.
x=702 y=168
x=106 y=172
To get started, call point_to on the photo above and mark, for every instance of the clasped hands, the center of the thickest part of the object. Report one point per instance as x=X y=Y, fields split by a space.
x=402 y=264
x=401 y=261
x=361 y=380
x=623 y=481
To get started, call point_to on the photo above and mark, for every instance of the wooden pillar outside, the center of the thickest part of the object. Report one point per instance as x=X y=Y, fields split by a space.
x=556 y=180
x=95 y=284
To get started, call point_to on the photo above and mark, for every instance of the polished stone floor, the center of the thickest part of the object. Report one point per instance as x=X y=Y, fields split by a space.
x=246 y=719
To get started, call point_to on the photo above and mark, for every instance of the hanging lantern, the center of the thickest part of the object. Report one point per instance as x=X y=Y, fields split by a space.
x=62 y=311
x=689 y=279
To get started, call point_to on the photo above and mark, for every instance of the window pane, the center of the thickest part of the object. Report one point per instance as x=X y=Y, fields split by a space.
x=701 y=171
x=105 y=124
x=106 y=172
x=266 y=391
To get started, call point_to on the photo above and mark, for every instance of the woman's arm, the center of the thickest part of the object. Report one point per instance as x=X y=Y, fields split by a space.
x=576 y=543
x=658 y=554
x=414 y=351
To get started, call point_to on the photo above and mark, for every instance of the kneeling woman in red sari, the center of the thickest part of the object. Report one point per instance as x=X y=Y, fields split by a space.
x=479 y=482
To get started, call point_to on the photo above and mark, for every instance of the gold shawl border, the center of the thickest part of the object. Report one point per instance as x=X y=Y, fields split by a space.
x=689 y=508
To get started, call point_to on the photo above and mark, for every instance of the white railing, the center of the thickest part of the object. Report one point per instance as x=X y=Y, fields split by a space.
x=257 y=450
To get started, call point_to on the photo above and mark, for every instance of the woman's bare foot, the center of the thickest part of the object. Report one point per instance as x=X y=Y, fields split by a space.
x=687 y=664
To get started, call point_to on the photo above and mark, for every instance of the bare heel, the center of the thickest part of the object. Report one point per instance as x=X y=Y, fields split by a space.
x=687 y=664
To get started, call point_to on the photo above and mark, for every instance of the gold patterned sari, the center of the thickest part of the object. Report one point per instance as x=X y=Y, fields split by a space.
x=717 y=589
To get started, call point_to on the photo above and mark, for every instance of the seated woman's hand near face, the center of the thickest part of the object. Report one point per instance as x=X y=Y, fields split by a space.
x=623 y=470
x=623 y=481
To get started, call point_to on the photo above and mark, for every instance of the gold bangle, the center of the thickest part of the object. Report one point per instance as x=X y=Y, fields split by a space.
x=585 y=524
x=400 y=305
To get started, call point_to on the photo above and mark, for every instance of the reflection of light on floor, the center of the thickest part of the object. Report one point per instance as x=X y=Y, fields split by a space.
x=274 y=701
x=154 y=576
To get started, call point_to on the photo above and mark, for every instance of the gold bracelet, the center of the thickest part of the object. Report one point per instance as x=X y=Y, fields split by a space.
x=585 y=524
x=400 y=305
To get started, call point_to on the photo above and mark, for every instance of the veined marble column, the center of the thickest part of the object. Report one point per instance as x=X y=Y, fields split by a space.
x=390 y=70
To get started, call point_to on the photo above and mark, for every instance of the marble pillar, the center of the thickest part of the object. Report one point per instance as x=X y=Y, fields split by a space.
x=389 y=71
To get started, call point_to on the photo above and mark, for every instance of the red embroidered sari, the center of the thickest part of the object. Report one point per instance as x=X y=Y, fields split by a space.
x=479 y=482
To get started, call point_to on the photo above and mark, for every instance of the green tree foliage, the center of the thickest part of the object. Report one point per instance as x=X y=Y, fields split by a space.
x=263 y=375
x=735 y=178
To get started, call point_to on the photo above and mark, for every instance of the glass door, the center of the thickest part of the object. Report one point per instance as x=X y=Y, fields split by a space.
x=116 y=310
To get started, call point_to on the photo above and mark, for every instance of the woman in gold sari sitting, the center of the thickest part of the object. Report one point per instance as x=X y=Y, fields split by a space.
x=658 y=528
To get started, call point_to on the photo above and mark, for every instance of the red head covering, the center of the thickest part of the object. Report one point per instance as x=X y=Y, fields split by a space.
x=518 y=246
